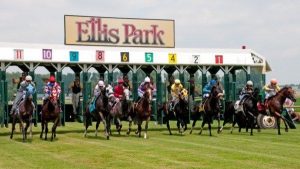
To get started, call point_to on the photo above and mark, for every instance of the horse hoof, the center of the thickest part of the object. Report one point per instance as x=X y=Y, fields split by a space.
x=107 y=137
x=145 y=136
x=191 y=131
x=286 y=130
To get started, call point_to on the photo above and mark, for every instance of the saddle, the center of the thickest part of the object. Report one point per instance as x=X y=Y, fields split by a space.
x=201 y=106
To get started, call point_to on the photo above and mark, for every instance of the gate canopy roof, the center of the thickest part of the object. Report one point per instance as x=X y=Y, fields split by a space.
x=45 y=53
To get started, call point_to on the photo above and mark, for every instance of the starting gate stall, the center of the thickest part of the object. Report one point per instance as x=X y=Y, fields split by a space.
x=131 y=46
x=133 y=59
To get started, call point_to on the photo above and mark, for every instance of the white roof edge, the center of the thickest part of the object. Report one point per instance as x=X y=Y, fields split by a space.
x=36 y=45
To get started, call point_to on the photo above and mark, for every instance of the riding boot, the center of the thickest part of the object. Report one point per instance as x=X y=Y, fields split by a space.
x=266 y=107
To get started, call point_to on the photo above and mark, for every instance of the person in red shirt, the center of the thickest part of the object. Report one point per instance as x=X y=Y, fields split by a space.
x=119 y=89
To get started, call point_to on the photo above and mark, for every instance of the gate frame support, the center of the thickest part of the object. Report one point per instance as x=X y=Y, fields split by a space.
x=4 y=92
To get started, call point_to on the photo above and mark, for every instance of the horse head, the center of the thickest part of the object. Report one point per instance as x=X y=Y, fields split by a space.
x=183 y=95
x=30 y=90
x=216 y=92
x=126 y=93
x=148 y=95
x=289 y=93
x=108 y=90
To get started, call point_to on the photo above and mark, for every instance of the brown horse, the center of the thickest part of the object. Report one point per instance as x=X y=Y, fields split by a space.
x=50 y=113
x=24 y=113
x=119 y=110
x=210 y=108
x=100 y=114
x=275 y=105
x=142 y=112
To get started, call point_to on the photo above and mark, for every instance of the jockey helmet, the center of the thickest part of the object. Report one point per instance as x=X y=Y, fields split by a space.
x=177 y=81
x=120 y=81
x=101 y=83
x=273 y=81
x=147 y=79
x=52 y=79
x=213 y=82
x=249 y=83
x=28 y=78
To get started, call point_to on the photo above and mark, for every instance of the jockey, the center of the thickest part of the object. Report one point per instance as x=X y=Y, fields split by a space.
x=126 y=82
x=176 y=88
x=52 y=87
x=99 y=88
x=119 y=89
x=207 y=88
x=21 y=93
x=143 y=87
x=246 y=91
x=271 y=89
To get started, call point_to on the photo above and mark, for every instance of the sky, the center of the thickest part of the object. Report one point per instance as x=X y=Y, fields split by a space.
x=271 y=28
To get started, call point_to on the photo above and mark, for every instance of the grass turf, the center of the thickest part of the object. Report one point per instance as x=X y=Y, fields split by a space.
x=71 y=150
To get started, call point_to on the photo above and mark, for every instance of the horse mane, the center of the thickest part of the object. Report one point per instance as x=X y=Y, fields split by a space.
x=280 y=91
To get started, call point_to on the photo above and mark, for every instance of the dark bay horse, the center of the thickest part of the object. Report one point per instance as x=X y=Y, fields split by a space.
x=275 y=105
x=50 y=113
x=180 y=111
x=210 y=108
x=141 y=111
x=24 y=113
x=99 y=114
x=244 y=115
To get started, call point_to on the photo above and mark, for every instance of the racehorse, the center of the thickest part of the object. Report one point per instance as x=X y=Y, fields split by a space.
x=141 y=111
x=180 y=111
x=24 y=113
x=118 y=110
x=210 y=108
x=100 y=113
x=244 y=115
x=50 y=113
x=275 y=105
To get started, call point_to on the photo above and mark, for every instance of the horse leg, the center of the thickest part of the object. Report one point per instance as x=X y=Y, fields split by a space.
x=25 y=129
x=139 y=128
x=203 y=123
x=178 y=126
x=182 y=125
x=43 y=127
x=119 y=125
x=46 y=130
x=219 y=126
x=168 y=124
x=30 y=129
x=129 y=125
x=146 y=128
x=54 y=129
x=193 y=125
x=209 y=126
x=252 y=125
x=278 y=125
x=285 y=123
x=86 y=123
x=232 y=127
x=97 y=126
x=13 y=126
x=185 y=125
x=106 y=127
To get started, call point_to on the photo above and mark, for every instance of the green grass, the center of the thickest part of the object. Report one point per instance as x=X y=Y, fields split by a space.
x=71 y=150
